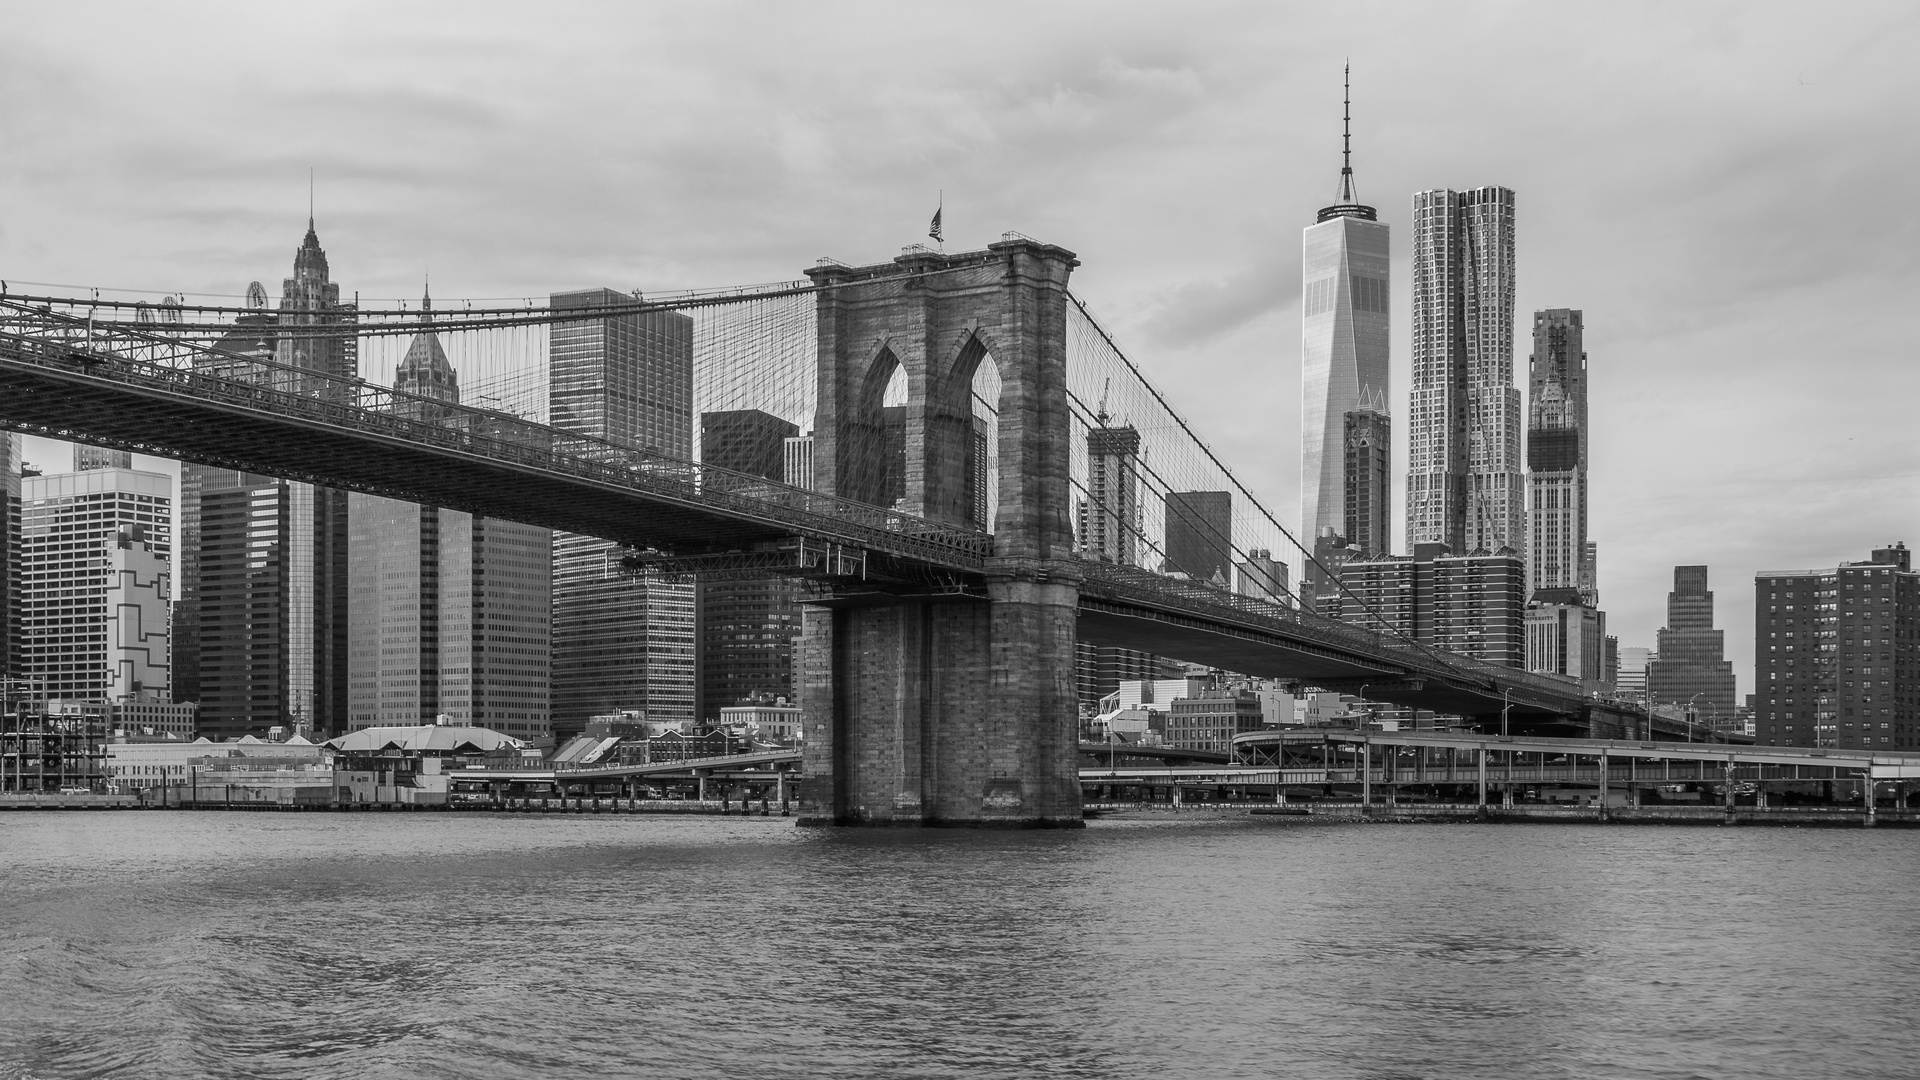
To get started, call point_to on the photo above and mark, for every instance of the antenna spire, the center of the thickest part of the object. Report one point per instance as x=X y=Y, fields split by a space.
x=1346 y=137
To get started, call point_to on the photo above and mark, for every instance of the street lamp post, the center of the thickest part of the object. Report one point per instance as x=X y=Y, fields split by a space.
x=1690 y=702
x=1505 y=704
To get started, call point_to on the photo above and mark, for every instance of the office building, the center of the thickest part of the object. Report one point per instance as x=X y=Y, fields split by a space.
x=246 y=352
x=747 y=625
x=1210 y=719
x=1566 y=633
x=1099 y=670
x=449 y=614
x=1200 y=535
x=1343 y=355
x=1464 y=486
x=1568 y=639
x=96 y=569
x=1369 y=482
x=1631 y=677
x=1262 y=577
x=621 y=641
x=97 y=457
x=1472 y=604
x=1692 y=670
x=313 y=334
x=746 y=441
x=273 y=651
x=10 y=467
x=1109 y=524
x=1560 y=557
x=1837 y=654
x=797 y=462
x=979 y=475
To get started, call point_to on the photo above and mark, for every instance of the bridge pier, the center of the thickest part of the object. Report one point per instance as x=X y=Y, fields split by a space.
x=930 y=711
x=949 y=702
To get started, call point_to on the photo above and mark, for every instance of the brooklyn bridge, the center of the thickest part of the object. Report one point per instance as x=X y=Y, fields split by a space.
x=952 y=400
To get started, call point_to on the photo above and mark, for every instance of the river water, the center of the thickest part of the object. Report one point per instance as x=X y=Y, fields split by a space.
x=441 y=945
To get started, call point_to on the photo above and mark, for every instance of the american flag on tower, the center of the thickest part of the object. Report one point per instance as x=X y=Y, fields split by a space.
x=933 y=230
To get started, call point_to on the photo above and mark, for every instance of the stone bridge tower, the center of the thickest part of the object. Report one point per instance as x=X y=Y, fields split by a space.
x=947 y=706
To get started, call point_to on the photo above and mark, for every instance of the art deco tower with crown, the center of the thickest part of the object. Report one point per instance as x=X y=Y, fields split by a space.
x=1343 y=371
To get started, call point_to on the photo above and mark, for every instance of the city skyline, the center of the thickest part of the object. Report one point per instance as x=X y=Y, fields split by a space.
x=1697 y=305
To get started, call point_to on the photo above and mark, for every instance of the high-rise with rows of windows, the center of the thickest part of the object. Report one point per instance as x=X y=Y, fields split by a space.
x=1471 y=604
x=620 y=641
x=448 y=613
x=271 y=650
x=747 y=625
x=96 y=570
x=1464 y=486
x=1566 y=631
x=1559 y=556
x=1837 y=654
x=10 y=465
x=1691 y=670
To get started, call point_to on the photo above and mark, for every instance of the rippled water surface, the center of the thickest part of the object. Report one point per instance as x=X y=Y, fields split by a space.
x=259 y=945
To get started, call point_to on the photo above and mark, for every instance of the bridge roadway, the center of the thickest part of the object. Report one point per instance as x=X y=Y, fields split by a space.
x=63 y=378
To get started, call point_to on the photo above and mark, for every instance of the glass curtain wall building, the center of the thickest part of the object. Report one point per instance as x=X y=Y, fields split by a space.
x=620 y=641
x=449 y=614
x=272 y=651
x=1464 y=485
x=250 y=339
x=317 y=546
x=1343 y=358
x=747 y=625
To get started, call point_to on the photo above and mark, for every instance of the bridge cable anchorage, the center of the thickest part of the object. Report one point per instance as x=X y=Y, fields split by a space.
x=1160 y=399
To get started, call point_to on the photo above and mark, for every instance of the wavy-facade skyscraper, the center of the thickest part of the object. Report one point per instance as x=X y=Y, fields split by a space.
x=1464 y=486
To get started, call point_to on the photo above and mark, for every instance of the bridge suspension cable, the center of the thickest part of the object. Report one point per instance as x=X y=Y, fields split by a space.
x=1172 y=453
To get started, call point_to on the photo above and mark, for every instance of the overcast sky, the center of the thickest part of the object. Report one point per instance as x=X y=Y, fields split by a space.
x=1727 y=190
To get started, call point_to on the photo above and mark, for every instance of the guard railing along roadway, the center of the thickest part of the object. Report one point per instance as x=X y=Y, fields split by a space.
x=151 y=365
x=1135 y=585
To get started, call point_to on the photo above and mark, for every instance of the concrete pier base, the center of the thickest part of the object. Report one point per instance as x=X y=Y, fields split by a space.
x=943 y=712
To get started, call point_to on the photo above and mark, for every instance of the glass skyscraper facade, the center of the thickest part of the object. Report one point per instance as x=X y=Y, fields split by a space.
x=621 y=641
x=272 y=651
x=1343 y=361
x=747 y=625
x=1464 y=485
x=1200 y=535
x=449 y=614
